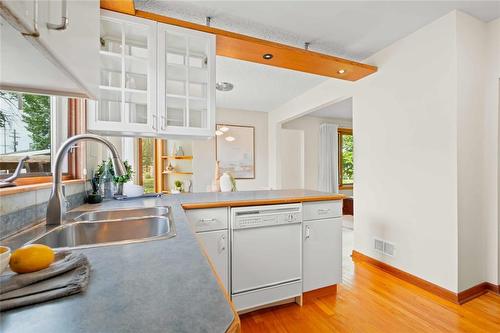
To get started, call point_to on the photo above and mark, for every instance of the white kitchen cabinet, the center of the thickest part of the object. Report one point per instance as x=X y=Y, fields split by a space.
x=211 y=227
x=216 y=246
x=322 y=253
x=156 y=80
x=40 y=54
x=186 y=81
x=127 y=101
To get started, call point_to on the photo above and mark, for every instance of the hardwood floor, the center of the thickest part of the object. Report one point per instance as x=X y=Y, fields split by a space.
x=370 y=300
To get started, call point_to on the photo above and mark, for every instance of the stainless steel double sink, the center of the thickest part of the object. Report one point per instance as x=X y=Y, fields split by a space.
x=110 y=227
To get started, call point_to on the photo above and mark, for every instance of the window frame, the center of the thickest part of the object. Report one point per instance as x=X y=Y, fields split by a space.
x=76 y=118
x=340 y=133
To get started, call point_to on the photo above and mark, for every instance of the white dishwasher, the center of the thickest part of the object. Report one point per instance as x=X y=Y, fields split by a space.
x=266 y=254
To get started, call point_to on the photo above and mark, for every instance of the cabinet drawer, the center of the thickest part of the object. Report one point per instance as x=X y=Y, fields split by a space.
x=207 y=219
x=321 y=210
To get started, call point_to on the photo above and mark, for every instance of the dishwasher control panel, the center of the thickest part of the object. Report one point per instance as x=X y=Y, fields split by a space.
x=262 y=216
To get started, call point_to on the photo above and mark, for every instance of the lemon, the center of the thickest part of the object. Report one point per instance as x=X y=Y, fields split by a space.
x=31 y=258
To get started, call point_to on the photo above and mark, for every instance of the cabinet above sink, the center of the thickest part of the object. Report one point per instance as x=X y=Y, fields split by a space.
x=49 y=47
x=156 y=80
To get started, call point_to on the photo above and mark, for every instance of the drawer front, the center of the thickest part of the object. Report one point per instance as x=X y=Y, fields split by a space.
x=321 y=210
x=208 y=219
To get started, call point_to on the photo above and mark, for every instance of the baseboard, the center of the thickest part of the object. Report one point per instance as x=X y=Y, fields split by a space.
x=458 y=298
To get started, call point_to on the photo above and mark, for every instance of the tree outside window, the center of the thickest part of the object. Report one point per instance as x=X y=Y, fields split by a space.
x=346 y=161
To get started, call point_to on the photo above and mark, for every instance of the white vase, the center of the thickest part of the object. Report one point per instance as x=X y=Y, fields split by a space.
x=225 y=183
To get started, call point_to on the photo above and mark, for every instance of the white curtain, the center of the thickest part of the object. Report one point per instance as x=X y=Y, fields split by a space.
x=328 y=158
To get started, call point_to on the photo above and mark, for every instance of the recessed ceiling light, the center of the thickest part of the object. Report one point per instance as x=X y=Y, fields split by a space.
x=341 y=71
x=219 y=132
x=224 y=86
x=230 y=138
x=224 y=129
x=267 y=56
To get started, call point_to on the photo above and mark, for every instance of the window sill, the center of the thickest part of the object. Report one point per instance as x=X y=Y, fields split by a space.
x=34 y=187
x=346 y=187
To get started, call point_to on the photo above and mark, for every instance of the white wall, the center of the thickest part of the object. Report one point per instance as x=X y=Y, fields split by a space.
x=492 y=137
x=204 y=151
x=310 y=126
x=474 y=169
x=405 y=154
x=426 y=150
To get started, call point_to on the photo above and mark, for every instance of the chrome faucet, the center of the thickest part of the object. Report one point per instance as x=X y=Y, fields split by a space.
x=56 y=207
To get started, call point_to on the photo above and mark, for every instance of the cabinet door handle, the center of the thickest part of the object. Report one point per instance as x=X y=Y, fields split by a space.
x=162 y=120
x=154 y=122
x=222 y=243
x=34 y=32
x=308 y=232
x=64 y=18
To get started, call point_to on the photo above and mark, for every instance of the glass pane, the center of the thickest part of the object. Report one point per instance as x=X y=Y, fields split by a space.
x=176 y=87
x=137 y=107
x=176 y=49
x=198 y=51
x=109 y=107
x=111 y=68
x=197 y=113
x=136 y=74
x=25 y=129
x=176 y=111
x=111 y=37
x=136 y=41
x=198 y=90
x=347 y=159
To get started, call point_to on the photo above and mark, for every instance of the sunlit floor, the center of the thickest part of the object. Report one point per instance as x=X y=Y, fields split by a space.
x=371 y=300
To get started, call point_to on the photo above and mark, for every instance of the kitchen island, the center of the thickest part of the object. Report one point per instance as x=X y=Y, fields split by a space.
x=154 y=286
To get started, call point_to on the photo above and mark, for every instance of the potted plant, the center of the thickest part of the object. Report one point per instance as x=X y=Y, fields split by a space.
x=118 y=180
x=178 y=187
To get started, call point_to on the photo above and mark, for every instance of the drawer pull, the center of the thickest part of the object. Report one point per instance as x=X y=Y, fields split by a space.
x=207 y=220
x=323 y=211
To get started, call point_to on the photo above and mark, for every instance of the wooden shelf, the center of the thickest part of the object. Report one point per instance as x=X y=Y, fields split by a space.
x=178 y=157
x=176 y=173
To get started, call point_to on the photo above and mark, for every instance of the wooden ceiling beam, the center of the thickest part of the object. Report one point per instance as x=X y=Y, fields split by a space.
x=121 y=6
x=243 y=47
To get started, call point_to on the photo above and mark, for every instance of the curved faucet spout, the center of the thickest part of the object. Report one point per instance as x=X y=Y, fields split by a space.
x=56 y=207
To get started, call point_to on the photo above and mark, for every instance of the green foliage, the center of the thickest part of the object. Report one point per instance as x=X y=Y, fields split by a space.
x=147 y=152
x=347 y=159
x=178 y=184
x=9 y=107
x=116 y=179
x=36 y=116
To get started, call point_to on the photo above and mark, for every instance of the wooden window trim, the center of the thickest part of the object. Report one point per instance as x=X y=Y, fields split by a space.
x=342 y=131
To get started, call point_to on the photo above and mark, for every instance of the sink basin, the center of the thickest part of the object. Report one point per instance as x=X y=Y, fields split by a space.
x=122 y=214
x=121 y=226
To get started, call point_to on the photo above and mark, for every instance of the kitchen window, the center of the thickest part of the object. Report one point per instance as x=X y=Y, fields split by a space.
x=31 y=125
x=346 y=162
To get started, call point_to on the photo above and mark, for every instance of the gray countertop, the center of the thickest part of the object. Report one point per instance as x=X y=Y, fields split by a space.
x=156 y=286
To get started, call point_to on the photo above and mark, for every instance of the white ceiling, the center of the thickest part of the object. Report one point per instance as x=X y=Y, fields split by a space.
x=351 y=29
x=259 y=87
x=340 y=110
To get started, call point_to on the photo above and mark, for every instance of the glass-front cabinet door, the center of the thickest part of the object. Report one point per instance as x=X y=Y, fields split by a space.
x=186 y=81
x=127 y=101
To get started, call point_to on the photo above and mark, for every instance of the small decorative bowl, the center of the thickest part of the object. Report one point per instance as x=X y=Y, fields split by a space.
x=4 y=258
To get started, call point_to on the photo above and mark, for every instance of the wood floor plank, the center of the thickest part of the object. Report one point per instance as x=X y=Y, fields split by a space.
x=371 y=300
